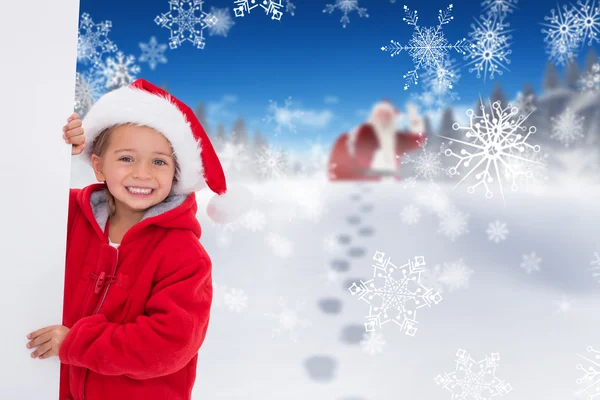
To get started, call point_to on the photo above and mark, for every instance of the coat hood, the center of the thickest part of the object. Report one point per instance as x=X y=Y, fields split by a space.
x=177 y=211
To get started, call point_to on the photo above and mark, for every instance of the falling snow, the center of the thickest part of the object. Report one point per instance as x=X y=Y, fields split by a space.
x=497 y=231
x=474 y=379
x=394 y=294
x=235 y=299
x=531 y=262
x=186 y=21
x=567 y=127
x=410 y=214
x=496 y=141
x=489 y=46
x=153 y=53
x=428 y=46
x=223 y=24
x=288 y=320
x=119 y=72
x=590 y=381
x=346 y=7
x=93 y=41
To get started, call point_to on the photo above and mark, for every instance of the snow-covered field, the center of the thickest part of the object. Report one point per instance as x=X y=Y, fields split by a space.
x=285 y=325
x=539 y=323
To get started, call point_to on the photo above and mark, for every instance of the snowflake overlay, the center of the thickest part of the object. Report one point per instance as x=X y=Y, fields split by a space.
x=153 y=53
x=254 y=220
x=271 y=162
x=499 y=6
x=567 y=127
x=474 y=379
x=563 y=34
x=394 y=294
x=589 y=21
x=595 y=263
x=436 y=86
x=223 y=24
x=410 y=214
x=590 y=381
x=428 y=46
x=186 y=21
x=272 y=7
x=426 y=163
x=590 y=80
x=120 y=72
x=489 y=46
x=288 y=320
x=497 y=231
x=93 y=41
x=451 y=276
x=235 y=299
x=496 y=142
x=346 y=6
x=453 y=223
x=88 y=89
x=372 y=343
x=531 y=262
x=282 y=116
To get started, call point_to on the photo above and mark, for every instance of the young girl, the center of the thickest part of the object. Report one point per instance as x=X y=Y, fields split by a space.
x=138 y=286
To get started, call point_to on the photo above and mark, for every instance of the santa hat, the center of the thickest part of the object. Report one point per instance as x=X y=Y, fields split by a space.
x=142 y=103
x=387 y=104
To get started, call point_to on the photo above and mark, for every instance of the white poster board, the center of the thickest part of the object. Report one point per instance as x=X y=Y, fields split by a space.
x=38 y=39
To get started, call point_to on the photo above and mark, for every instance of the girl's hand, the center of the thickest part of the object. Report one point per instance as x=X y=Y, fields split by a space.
x=48 y=339
x=73 y=134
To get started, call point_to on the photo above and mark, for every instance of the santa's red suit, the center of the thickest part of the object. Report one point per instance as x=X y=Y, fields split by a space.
x=375 y=148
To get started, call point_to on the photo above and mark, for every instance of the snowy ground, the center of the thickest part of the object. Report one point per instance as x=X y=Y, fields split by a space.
x=537 y=322
x=306 y=241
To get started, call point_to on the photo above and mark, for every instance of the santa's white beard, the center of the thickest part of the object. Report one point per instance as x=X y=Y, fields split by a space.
x=385 y=157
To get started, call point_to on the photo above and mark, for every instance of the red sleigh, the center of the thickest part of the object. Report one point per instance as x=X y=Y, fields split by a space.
x=345 y=165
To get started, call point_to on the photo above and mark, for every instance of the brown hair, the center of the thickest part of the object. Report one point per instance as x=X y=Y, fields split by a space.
x=99 y=147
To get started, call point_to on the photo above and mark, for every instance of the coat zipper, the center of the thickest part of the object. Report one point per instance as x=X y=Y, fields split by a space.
x=96 y=312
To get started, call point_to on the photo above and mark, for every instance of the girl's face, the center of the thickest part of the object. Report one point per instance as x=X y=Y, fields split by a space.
x=137 y=157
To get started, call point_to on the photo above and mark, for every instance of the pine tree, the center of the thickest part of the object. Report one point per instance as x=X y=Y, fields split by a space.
x=259 y=141
x=239 y=134
x=572 y=74
x=446 y=123
x=498 y=95
x=591 y=59
x=201 y=115
x=220 y=137
x=551 y=80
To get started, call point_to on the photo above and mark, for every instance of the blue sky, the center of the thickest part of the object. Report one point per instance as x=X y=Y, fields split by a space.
x=333 y=74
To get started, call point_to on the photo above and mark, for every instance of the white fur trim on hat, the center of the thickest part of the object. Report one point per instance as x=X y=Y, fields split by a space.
x=139 y=107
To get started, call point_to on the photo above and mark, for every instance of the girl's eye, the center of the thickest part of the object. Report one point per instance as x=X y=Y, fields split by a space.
x=123 y=158
x=163 y=163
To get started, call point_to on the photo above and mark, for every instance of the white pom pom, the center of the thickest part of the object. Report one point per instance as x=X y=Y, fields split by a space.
x=228 y=207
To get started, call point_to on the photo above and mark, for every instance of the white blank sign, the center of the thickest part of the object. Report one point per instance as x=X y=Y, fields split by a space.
x=38 y=39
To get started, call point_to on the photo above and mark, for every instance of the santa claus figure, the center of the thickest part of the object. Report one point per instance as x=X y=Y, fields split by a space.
x=374 y=149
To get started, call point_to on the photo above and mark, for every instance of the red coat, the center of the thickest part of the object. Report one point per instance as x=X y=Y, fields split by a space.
x=138 y=314
x=355 y=167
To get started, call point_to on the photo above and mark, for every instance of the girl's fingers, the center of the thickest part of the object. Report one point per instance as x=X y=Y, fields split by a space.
x=77 y=149
x=73 y=132
x=41 y=350
x=76 y=123
x=77 y=138
x=73 y=116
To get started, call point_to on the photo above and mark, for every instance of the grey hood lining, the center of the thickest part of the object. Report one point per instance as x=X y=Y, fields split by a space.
x=99 y=203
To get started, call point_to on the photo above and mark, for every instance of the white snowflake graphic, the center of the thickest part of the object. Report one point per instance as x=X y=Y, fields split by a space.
x=427 y=163
x=449 y=276
x=223 y=24
x=428 y=46
x=272 y=7
x=436 y=86
x=474 y=379
x=410 y=214
x=563 y=34
x=93 y=41
x=499 y=6
x=394 y=294
x=489 y=46
x=88 y=89
x=186 y=21
x=271 y=161
x=595 y=263
x=564 y=305
x=590 y=381
x=531 y=170
x=531 y=262
x=282 y=116
x=281 y=246
x=589 y=21
x=288 y=320
x=119 y=72
x=254 y=220
x=346 y=7
x=453 y=223
x=372 y=343
x=497 y=140
x=497 y=231
x=567 y=128
x=153 y=53
x=590 y=80
x=235 y=299
x=526 y=103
